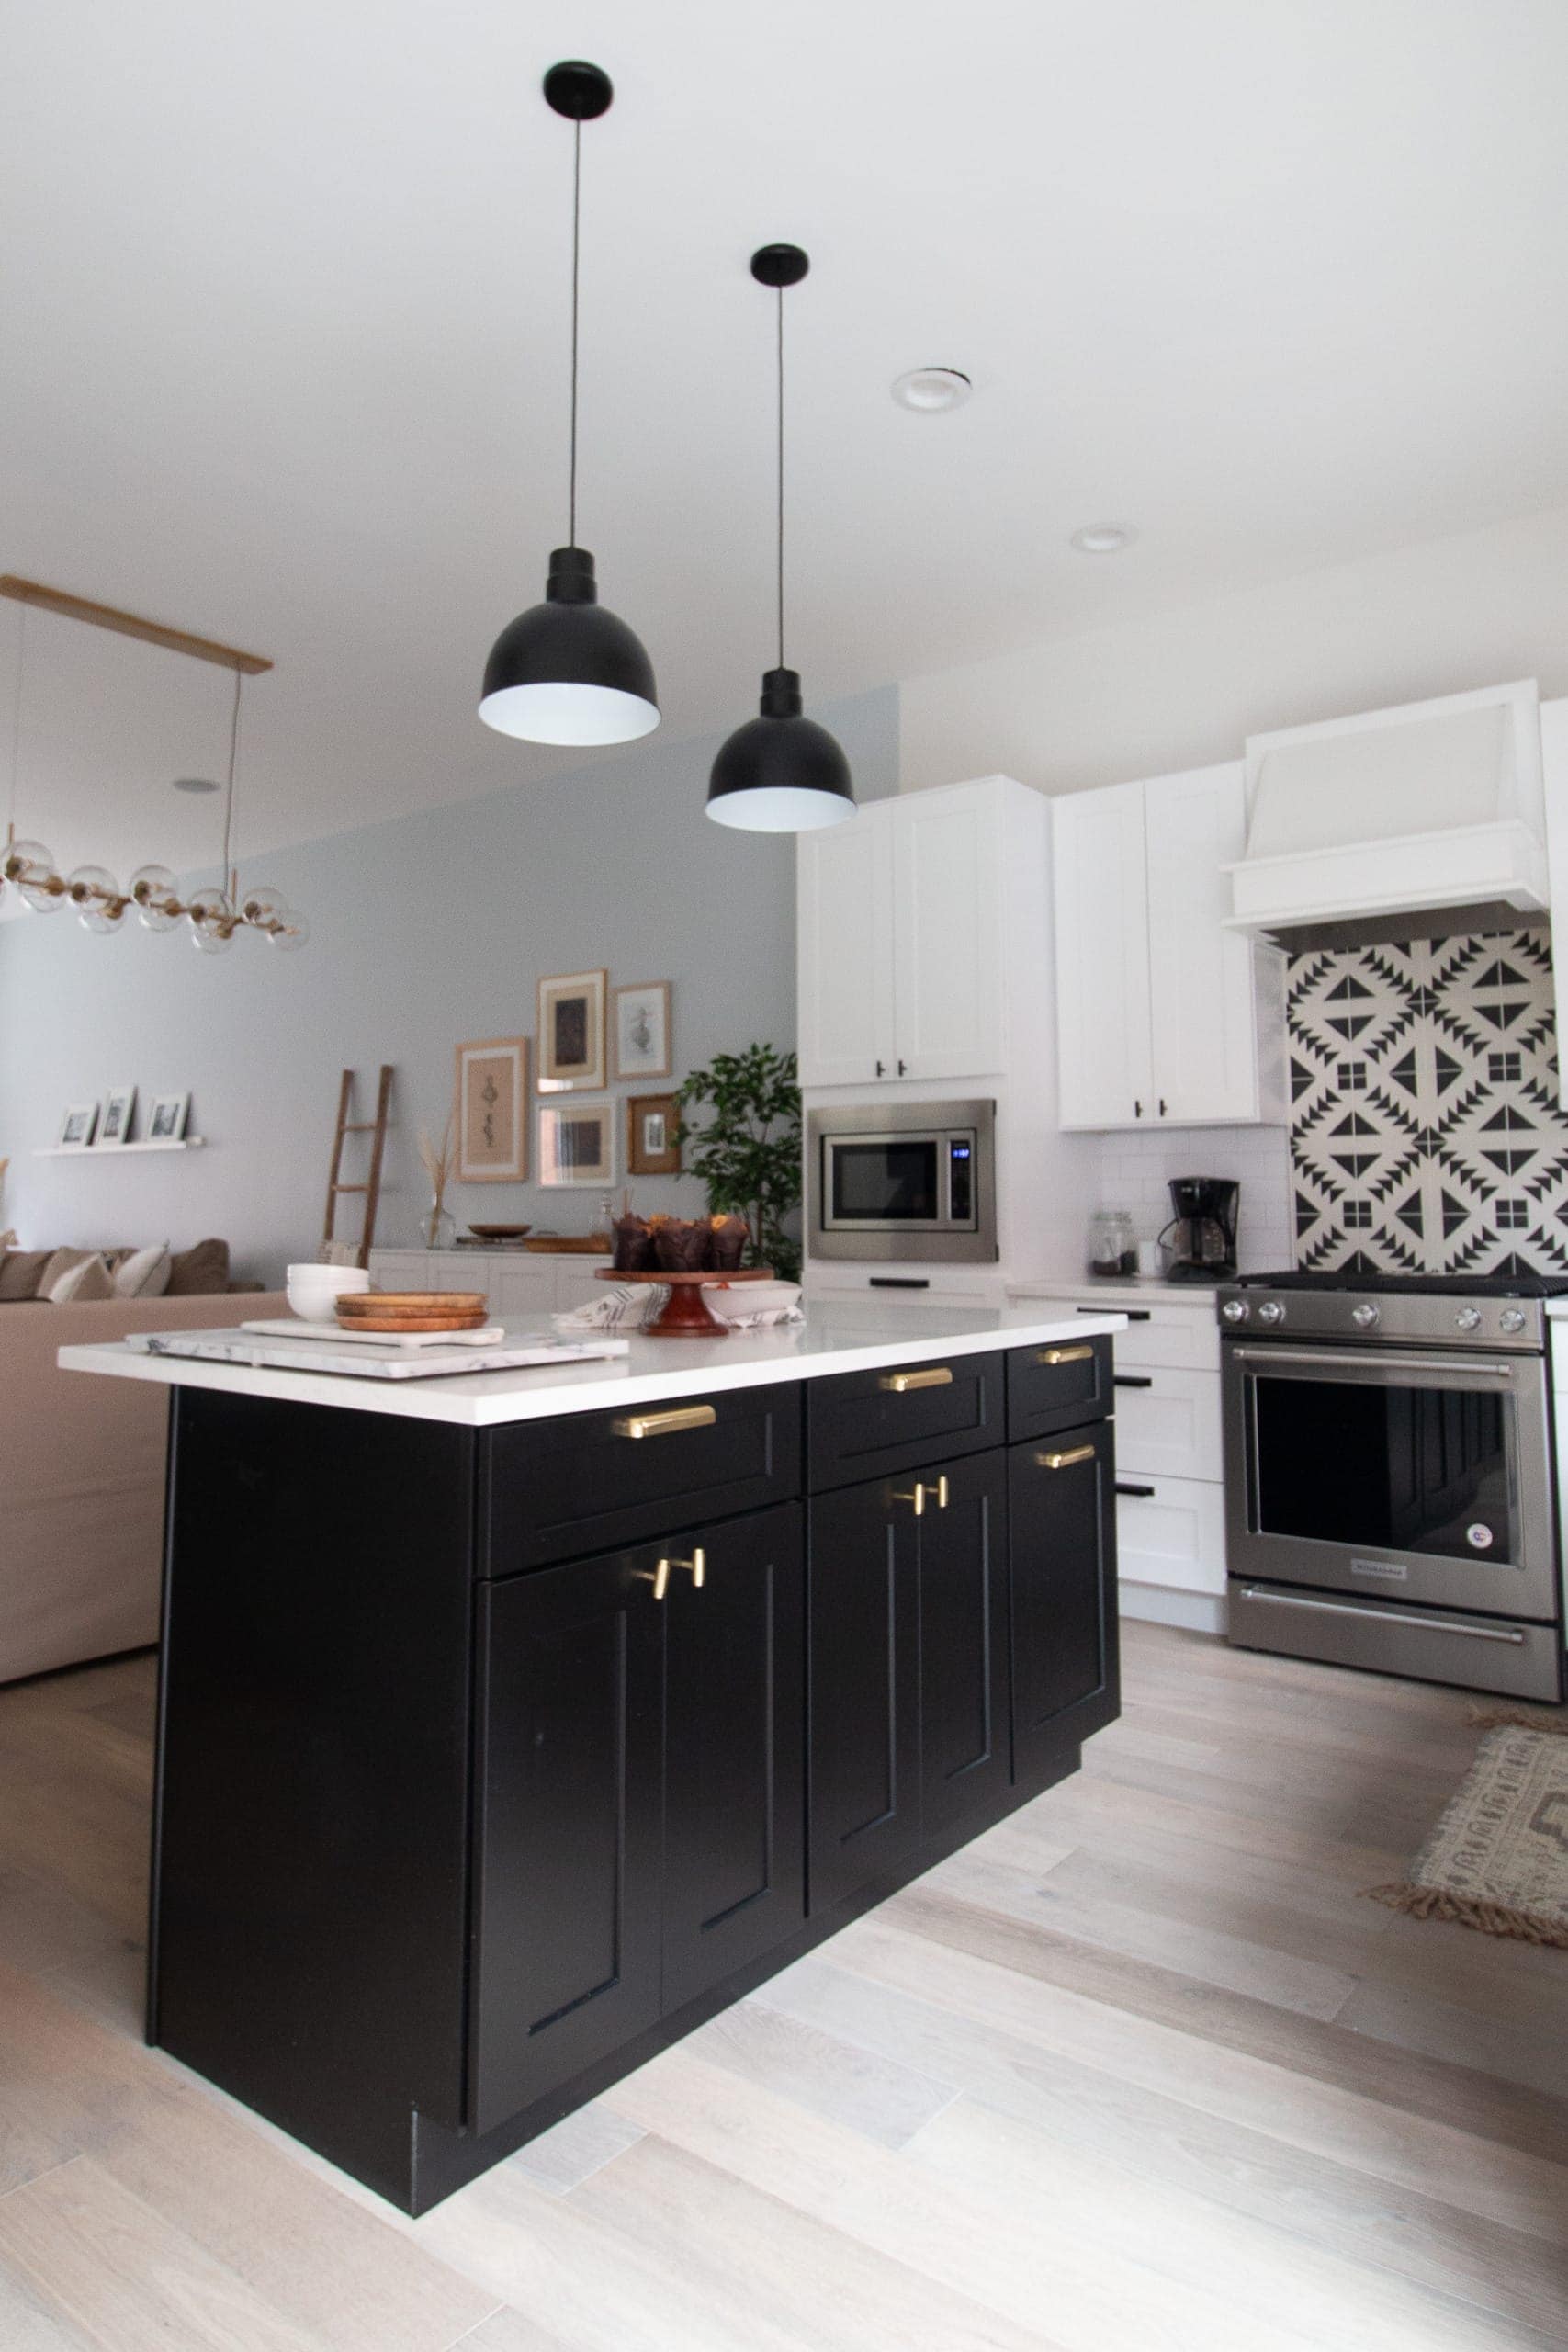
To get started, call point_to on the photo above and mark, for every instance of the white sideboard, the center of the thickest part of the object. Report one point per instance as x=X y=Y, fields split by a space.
x=1170 y=1515
x=518 y=1283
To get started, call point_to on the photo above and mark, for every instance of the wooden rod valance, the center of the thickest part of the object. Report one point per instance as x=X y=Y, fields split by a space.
x=175 y=640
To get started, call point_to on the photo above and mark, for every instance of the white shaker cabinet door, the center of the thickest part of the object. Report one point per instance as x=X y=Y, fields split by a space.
x=524 y=1291
x=1202 y=979
x=1102 y=958
x=947 y=923
x=844 y=922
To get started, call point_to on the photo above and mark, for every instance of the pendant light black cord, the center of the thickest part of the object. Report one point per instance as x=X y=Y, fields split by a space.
x=229 y=796
x=576 y=218
x=781 y=476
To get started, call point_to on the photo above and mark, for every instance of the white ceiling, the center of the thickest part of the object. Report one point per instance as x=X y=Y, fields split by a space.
x=284 y=358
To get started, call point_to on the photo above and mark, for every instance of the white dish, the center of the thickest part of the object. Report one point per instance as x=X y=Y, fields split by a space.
x=314 y=1291
x=730 y=1301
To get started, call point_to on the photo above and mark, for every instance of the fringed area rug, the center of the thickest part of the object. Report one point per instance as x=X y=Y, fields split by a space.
x=1499 y=1859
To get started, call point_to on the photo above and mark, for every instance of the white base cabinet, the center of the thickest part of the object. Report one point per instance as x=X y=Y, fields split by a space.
x=520 y=1285
x=1167 y=1019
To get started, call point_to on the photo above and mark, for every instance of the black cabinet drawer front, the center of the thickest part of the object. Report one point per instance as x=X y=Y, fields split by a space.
x=869 y=1424
x=557 y=1491
x=1058 y=1384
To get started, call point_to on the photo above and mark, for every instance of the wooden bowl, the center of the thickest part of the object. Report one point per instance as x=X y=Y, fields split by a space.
x=501 y=1232
x=359 y=1304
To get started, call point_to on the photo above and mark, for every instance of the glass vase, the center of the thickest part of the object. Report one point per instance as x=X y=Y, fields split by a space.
x=437 y=1226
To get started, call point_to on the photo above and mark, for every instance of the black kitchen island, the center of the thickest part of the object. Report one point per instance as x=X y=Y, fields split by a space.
x=511 y=1726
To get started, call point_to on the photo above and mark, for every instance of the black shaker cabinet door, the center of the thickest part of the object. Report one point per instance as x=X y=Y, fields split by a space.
x=1065 y=1665
x=965 y=1747
x=734 y=1716
x=567 y=1898
x=864 y=1754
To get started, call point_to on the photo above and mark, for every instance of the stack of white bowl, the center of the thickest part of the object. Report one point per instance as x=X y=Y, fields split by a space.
x=314 y=1291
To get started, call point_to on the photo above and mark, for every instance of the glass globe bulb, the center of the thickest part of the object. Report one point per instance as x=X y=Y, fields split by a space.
x=211 y=920
x=29 y=866
x=154 y=888
x=262 y=905
x=96 y=895
x=292 y=933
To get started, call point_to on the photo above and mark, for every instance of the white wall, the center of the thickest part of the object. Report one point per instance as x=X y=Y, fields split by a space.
x=426 y=931
x=1187 y=687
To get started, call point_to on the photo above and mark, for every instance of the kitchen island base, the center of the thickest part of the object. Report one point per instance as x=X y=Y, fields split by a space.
x=493 y=1759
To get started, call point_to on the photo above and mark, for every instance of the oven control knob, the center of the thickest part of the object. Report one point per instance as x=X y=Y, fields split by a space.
x=1235 y=1310
x=1366 y=1317
x=1271 y=1311
x=1468 y=1320
x=1512 y=1319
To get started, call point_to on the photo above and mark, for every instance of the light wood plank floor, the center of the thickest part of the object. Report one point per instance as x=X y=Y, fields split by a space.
x=1138 y=2072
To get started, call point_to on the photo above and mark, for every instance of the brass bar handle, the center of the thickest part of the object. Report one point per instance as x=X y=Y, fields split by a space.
x=936 y=1375
x=698 y=1565
x=681 y=1416
x=1066 y=1460
x=657 y=1577
x=915 y=1494
x=942 y=1492
x=1065 y=1355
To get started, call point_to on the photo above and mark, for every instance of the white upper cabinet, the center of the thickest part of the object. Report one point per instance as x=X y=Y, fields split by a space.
x=1103 y=957
x=899 y=928
x=1166 y=1017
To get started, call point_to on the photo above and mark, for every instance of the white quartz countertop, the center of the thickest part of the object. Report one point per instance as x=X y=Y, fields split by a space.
x=1121 y=1291
x=836 y=1337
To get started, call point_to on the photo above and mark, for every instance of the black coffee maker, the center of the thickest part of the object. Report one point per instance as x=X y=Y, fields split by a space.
x=1201 y=1237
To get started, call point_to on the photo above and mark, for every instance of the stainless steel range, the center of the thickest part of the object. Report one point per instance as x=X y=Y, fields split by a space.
x=1389 y=1488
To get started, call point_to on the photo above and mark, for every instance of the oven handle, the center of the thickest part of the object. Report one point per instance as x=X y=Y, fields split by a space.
x=1384 y=1616
x=1379 y=1359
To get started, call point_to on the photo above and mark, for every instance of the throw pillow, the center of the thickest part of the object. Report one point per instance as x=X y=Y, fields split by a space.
x=198 y=1270
x=19 y=1271
x=90 y=1278
x=142 y=1273
x=58 y=1263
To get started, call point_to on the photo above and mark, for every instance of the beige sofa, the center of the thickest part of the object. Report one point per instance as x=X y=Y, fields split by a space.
x=82 y=1478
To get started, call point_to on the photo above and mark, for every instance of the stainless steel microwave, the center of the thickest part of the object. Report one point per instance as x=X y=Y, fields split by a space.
x=903 y=1179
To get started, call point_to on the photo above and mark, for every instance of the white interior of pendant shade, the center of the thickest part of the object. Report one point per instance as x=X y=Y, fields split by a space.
x=780 y=808
x=563 y=712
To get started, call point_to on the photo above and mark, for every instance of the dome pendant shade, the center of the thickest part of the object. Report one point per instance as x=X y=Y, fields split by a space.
x=781 y=773
x=566 y=671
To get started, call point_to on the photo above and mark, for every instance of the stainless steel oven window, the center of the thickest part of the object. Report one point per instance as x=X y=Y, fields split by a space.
x=1414 y=1477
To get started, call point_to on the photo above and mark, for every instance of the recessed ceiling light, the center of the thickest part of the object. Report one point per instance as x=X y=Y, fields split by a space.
x=195 y=784
x=1103 y=538
x=930 y=388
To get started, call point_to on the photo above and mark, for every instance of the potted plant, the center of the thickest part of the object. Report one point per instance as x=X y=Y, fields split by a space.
x=748 y=1152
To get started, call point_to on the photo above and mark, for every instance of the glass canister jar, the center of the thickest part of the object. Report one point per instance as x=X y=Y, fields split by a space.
x=1113 y=1243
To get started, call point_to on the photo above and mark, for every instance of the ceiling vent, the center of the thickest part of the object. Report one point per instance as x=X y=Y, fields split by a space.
x=1397 y=824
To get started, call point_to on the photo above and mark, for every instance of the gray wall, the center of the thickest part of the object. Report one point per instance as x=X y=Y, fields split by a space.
x=426 y=931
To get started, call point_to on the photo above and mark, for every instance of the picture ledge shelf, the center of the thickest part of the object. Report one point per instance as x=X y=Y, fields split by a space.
x=117 y=1150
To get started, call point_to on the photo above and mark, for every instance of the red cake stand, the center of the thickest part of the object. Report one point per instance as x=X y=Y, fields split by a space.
x=685 y=1315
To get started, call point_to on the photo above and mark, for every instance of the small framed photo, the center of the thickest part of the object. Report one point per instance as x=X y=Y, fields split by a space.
x=571 y=1031
x=653 y=1122
x=642 y=1030
x=492 y=1111
x=166 y=1120
x=119 y=1104
x=577 y=1143
x=76 y=1127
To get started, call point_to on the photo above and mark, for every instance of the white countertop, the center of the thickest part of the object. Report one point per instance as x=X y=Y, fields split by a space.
x=839 y=1336
x=1121 y=1291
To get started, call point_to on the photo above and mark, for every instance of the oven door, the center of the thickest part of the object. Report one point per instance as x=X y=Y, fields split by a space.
x=1391 y=1474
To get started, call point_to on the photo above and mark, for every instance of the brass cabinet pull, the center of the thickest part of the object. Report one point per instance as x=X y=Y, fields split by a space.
x=657 y=1577
x=681 y=1416
x=1066 y=1460
x=1065 y=1355
x=918 y=1493
x=936 y=1375
x=698 y=1565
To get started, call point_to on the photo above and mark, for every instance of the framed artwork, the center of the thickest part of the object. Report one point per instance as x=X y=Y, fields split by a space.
x=492 y=1111
x=577 y=1143
x=119 y=1106
x=76 y=1127
x=641 y=1027
x=652 y=1121
x=571 y=1031
x=166 y=1120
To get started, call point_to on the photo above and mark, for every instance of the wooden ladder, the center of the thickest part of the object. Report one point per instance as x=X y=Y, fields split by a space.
x=375 y=1129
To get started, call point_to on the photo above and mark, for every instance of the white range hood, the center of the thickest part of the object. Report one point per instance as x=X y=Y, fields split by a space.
x=1432 y=814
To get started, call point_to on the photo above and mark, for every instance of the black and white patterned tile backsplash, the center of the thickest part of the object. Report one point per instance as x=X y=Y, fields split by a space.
x=1426 y=1134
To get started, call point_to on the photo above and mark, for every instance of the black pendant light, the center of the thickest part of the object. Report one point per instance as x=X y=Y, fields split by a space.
x=566 y=671
x=781 y=773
